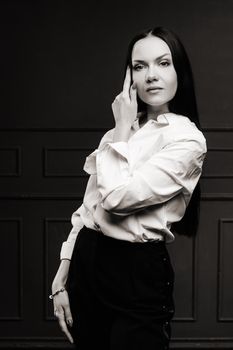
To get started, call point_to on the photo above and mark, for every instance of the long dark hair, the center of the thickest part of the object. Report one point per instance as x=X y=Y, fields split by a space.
x=184 y=103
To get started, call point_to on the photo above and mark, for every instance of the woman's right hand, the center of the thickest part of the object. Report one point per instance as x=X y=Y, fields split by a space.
x=124 y=110
x=63 y=313
x=125 y=106
x=61 y=302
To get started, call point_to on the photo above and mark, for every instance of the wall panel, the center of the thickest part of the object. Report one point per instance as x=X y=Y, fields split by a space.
x=11 y=290
x=62 y=66
x=46 y=194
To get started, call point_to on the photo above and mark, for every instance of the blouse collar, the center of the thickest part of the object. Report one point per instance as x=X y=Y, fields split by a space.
x=162 y=119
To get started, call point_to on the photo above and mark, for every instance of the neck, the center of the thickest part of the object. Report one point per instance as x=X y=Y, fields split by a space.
x=153 y=112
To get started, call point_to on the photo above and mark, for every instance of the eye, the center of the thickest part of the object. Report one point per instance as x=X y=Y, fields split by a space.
x=138 y=67
x=164 y=63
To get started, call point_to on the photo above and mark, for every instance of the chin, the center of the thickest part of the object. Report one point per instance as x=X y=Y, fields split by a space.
x=156 y=103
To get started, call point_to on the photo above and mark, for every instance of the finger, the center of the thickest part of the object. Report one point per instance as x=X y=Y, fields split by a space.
x=55 y=308
x=67 y=333
x=61 y=319
x=133 y=92
x=127 y=81
x=68 y=315
x=118 y=97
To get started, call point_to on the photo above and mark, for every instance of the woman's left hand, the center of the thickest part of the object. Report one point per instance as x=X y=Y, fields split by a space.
x=125 y=106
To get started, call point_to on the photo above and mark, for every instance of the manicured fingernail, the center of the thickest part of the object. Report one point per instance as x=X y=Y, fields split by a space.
x=70 y=323
x=134 y=86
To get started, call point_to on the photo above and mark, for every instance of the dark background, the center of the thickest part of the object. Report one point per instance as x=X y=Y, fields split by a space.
x=61 y=67
x=62 y=61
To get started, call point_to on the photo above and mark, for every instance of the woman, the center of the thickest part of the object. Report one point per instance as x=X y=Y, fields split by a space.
x=114 y=287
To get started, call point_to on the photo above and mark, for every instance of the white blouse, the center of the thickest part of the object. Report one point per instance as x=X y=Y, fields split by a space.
x=138 y=188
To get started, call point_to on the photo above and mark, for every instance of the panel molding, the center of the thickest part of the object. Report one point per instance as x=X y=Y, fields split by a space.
x=71 y=196
x=193 y=317
x=94 y=129
x=46 y=150
x=218 y=176
x=46 y=173
x=20 y=268
x=18 y=162
x=54 y=129
x=222 y=221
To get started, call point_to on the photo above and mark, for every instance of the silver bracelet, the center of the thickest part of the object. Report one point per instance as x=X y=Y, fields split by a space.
x=57 y=292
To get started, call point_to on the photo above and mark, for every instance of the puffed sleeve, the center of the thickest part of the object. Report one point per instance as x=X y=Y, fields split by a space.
x=90 y=162
x=175 y=168
x=77 y=224
x=76 y=218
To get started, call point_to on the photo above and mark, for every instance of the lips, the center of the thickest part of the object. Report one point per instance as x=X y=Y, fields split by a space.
x=154 y=88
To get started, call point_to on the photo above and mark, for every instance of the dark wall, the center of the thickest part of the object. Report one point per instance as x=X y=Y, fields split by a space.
x=63 y=60
x=61 y=67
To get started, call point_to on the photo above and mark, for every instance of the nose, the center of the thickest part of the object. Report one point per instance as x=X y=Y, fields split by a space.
x=151 y=74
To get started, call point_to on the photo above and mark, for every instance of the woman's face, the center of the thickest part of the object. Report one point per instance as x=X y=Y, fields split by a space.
x=153 y=72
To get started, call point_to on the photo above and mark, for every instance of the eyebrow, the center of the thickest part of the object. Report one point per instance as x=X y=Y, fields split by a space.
x=158 y=58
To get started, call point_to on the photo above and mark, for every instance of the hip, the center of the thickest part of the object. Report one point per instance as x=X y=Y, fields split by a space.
x=122 y=274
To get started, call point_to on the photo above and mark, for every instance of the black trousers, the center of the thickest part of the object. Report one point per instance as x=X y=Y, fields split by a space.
x=121 y=293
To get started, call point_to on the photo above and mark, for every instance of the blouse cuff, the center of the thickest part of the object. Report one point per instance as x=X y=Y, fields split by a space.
x=120 y=147
x=67 y=250
x=90 y=163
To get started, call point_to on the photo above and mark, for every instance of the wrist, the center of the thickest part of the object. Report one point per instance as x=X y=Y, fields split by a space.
x=121 y=132
x=61 y=275
x=123 y=125
x=54 y=293
x=57 y=285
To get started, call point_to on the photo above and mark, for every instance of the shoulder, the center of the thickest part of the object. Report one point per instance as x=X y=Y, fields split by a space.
x=181 y=120
x=184 y=129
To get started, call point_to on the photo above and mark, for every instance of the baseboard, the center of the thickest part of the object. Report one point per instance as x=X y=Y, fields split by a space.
x=61 y=344
x=202 y=343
